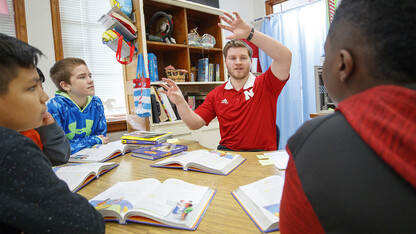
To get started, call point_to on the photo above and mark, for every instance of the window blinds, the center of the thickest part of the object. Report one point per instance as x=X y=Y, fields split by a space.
x=7 y=18
x=81 y=38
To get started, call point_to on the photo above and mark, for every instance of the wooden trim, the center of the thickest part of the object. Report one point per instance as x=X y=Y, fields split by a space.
x=20 y=20
x=56 y=28
x=270 y=4
x=116 y=126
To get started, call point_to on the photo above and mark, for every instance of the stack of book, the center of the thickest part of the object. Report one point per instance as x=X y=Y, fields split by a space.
x=145 y=137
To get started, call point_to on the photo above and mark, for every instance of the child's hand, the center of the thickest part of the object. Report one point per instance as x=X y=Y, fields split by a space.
x=47 y=119
x=104 y=139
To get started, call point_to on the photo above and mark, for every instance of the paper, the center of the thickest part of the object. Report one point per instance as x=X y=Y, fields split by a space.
x=262 y=156
x=173 y=141
x=280 y=158
x=266 y=162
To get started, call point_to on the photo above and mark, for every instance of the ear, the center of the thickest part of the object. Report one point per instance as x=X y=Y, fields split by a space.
x=65 y=86
x=345 y=66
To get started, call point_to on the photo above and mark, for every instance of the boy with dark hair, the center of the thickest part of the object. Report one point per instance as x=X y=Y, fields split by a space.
x=33 y=199
x=74 y=107
x=49 y=137
x=354 y=171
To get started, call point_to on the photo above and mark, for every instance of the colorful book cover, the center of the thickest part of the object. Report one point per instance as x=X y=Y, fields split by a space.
x=203 y=69
x=158 y=151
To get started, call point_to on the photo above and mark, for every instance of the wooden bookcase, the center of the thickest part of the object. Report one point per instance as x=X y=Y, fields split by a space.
x=186 y=16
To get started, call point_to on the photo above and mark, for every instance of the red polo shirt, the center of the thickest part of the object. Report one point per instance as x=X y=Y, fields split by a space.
x=247 y=117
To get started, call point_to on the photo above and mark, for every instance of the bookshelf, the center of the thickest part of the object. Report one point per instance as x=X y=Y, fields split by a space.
x=186 y=16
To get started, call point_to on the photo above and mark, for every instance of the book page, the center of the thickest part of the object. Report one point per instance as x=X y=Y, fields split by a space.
x=93 y=155
x=183 y=158
x=174 y=202
x=215 y=159
x=75 y=174
x=124 y=195
x=266 y=194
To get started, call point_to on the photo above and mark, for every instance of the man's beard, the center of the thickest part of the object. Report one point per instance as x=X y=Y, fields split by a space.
x=239 y=75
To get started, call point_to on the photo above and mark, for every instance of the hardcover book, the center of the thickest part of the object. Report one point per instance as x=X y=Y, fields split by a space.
x=132 y=138
x=77 y=175
x=261 y=201
x=215 y=162
x=158 y=151
x=173 y=203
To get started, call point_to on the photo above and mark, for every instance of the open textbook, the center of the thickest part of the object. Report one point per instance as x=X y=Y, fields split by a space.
x=102 y=153
x=215 y=162
x=173 y=203
x=261 y=201
x=77 y=175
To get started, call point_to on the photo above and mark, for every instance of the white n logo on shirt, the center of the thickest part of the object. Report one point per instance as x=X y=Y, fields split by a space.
x=248 y=94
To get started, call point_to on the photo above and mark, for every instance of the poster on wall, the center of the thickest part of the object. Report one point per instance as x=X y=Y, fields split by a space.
x=331 y=6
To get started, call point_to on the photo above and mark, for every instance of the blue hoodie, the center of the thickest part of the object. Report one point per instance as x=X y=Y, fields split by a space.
x=81 y=126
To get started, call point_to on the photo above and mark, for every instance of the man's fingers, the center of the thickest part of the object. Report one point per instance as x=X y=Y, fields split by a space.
x=228 y=21
x=236 y=15
x=225 y=27
x=229 y=15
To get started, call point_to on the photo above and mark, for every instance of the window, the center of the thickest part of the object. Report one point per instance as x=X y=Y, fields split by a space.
x=274 y=6
x=78 y=34
x=12 y=19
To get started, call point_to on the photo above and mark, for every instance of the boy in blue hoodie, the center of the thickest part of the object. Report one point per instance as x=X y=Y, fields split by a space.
x=74 y=107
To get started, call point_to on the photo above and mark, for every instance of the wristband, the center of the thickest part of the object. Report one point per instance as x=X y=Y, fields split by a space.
x=251 y=34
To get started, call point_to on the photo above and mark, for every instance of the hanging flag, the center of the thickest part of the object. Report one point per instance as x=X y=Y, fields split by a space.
x=141 y=90
x=4 y=10
x=331 y=6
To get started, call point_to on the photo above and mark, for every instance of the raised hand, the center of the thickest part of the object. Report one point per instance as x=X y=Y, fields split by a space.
x=239 y=28
x=172 y=91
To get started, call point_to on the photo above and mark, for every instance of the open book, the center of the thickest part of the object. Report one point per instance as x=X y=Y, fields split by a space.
x=77 y=175
x=173 y=203
x=261 y=201
x=158 y=151
x=215 y=162
x=102 y=153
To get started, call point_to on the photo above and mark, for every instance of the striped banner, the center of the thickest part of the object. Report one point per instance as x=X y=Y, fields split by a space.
x=141 y=90
x=332 y=5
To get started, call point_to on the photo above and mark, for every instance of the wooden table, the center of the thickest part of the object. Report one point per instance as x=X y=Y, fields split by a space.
x=224 y=215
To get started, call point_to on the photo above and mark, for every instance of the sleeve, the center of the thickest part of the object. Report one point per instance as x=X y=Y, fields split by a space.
x=36 y=201
x=55 y=144
x=54 y=111
x=272 y=83
x=207 y=109
x=100 y=129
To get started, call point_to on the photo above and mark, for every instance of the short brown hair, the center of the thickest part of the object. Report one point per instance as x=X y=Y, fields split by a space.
x=62 y=70
x=235 y=44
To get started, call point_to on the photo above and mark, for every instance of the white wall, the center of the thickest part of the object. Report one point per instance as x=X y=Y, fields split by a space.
x=249 y=10
x=39 y=33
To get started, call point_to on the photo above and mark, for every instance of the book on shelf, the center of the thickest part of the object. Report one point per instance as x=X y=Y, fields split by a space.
x=203 y=73
x=211 y=72
x=77 y=175
x=173 y=203
x=217 y=72
x=155 y=109
x=167 y=105
x=134 y=138
x=102 y=153
x=163 y=113
x=158 y=151
x=261 y=201
x=215 y=162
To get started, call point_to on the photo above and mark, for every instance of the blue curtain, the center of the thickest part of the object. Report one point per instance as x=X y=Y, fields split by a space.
x=303 y=31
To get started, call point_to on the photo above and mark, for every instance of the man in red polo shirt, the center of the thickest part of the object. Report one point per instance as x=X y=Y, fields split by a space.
x=245 y=105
